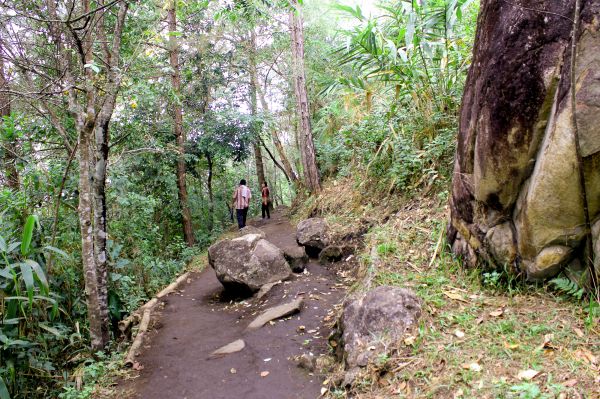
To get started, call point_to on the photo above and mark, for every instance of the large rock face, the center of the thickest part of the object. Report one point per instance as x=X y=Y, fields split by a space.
x=313 y=235
x=247 y=263
x=376 y=320
x=516 y=197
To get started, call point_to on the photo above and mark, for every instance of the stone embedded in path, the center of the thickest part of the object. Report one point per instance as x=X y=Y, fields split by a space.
x=313 y=235
x=235 y=346
x=265 y=289
x=373 y=321
x=296 y=257
x=274 y=313
x=243 y=265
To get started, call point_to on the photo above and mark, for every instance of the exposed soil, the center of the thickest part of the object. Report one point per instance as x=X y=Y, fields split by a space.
x=199 y=319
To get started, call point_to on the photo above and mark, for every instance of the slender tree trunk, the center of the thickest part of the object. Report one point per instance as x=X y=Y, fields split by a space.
x=289 y=171
x=311 y=172
x=186 y=216
x=96 y=305
x=211 y=202
x=260 y=168
x=11 y=173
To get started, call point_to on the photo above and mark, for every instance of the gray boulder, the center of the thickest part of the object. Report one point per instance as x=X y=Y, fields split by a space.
x=376 y=320
x=245 y=264
x=296 y=257
x=313 y=235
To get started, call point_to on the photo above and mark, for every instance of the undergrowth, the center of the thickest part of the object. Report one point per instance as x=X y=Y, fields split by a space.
x=482 y=334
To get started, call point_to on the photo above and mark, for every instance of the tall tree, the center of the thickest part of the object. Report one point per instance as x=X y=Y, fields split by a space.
x=307 y=146
x=260 y=168
x=178 y=131
x=11 y=174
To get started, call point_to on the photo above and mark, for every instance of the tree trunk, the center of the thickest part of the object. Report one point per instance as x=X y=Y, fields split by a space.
x=260 y=168
x=289 y=171
x=211 y=202
x=11 y=174
x=97 y=304
x=186 y=215
x=309 y=161
x=517 y=195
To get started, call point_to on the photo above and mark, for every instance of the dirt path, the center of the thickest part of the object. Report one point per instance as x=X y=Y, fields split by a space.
x=196 y=321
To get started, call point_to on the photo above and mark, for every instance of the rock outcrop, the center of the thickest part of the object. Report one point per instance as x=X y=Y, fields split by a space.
x=251 y=230
x=374 y=321
x=516 y=194
x=245 y=264
x=313 y=235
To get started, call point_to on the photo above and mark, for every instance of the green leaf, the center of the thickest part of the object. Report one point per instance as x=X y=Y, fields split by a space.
x=93 y=67
x=13 y=246
x=56 y=250
x=3 y=246
x=3 y=390
x=27 y=235
x=39 y=273
x=51 y=330
x=27 y=274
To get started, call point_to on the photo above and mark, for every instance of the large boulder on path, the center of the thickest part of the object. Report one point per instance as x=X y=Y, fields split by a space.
x=245 y=264
x=296 y=257
x=313 y=235
x=373 y=321
x=251 y=230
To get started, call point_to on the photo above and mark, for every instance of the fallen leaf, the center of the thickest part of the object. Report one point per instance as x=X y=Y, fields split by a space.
x=472 y=366
x=137 y=366
x=324 y=391
x=325 y=382
x=578 y=332
x=570 y=383
x=586 y=356
x=458 y=394
x=479 y=320
x=459 y=334
x=410 y=340
x=511 y=346
x=547 y=344
x=455 y=296
x=267 y=359
x=527 y=375
x=497 y=313
x=233 y=371
x=264 y=373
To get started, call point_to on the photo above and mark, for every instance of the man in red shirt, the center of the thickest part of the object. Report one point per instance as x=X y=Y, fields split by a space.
x=266 y=194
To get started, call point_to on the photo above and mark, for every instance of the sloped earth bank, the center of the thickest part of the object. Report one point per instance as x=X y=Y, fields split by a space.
x=197 y=320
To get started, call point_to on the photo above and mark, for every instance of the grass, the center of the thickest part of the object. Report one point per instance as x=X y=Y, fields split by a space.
x=478 y=330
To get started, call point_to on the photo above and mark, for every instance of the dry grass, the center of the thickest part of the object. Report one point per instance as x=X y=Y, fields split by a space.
x=478 y=332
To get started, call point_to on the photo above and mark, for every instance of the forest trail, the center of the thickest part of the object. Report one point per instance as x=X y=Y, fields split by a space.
x=196 y=321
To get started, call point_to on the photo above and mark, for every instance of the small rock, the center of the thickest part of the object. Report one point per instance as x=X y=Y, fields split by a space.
x=235 y=346
x=331 y=254
x=313 y=235
x=373 y=321
x=297 y=258
x=306 y=361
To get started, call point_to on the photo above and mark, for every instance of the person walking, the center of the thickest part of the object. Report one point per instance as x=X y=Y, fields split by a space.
x=241 y=202
x=266 y=199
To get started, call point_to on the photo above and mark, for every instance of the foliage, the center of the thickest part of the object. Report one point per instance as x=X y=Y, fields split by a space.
x=567 y=287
